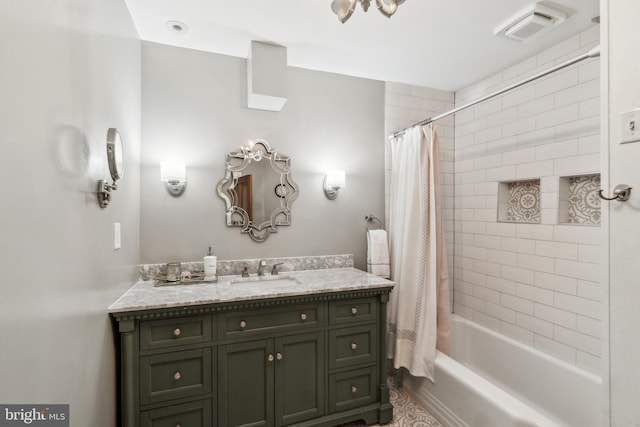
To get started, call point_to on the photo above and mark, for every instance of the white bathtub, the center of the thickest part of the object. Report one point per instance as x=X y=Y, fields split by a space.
x=495 y=381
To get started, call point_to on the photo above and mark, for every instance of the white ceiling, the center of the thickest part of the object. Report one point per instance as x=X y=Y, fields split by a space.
x=442 y=44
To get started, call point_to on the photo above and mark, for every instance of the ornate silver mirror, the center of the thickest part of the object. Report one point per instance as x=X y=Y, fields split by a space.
x=258 y=190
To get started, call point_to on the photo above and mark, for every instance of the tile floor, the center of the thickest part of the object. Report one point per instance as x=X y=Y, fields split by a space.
x=406 y=412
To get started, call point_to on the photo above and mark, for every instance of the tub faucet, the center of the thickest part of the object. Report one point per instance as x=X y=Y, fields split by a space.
x=261 y=265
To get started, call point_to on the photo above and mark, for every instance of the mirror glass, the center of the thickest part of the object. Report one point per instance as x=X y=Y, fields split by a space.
x=258 y=190
x=115 y=154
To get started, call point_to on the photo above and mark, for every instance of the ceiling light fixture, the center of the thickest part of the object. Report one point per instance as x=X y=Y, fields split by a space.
x=345 y=8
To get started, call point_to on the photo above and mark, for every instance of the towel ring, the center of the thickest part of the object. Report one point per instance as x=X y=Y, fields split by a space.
x=372 y=220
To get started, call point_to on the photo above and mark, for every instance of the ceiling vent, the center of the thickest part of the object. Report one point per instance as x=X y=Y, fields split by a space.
x=531 y=22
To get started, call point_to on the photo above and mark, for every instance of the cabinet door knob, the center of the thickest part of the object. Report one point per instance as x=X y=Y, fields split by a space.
x=177 y=332
x=270 y=357
x=178 y=425
x=354 y=389
x=354 y=346
x=354 y=310
x=243 y=324
x=303 y=316
x=177 y=375
x=279 y=356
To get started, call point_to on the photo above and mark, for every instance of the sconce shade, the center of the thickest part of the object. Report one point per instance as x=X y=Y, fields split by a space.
x=174 y=175
x=336 y=179
x=172 y=172
x=343 y=8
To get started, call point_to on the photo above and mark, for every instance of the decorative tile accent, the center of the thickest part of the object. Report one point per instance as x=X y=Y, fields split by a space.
x=584 y=201
x=520 y=202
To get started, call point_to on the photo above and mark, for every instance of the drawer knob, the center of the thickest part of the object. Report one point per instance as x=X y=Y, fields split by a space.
x=243 y=324
x=354 y=389
x=354 y=346
x=270 y=357
x=354 y=310
x=178 y=425
x=177 y=332
x=303 y=317
x=279 y=356
x=177 y=375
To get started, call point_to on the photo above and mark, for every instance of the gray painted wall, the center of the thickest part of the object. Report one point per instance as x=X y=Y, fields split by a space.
x=70 y=70
x=194 y=109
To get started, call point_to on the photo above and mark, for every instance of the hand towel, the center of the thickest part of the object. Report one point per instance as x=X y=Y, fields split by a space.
x=378 y=253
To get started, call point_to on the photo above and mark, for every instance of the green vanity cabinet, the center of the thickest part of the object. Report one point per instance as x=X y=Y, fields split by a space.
x=307 y=360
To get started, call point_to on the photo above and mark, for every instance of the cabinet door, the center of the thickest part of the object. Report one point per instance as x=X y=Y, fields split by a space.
x=299 y=378
x=245 y=384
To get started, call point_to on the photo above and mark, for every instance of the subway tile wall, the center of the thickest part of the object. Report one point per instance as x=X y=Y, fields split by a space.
x=537 y=283
x=405 y=105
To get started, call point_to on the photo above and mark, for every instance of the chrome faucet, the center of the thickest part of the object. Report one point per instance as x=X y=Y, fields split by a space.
x=261 y=265
x=274 y=270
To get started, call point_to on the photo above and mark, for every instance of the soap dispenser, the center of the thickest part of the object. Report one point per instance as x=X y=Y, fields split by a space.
x=210 y=265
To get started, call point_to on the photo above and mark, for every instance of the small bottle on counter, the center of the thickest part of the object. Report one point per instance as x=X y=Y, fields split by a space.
x=210 y=265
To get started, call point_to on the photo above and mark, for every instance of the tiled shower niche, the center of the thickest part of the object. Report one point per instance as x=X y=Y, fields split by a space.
x=579 y=200
x=519 y=201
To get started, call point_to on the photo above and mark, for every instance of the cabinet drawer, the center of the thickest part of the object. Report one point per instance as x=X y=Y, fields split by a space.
x=193 y=414
x=174 y=332
x=352 y=346
x=352 y=389
x=275 y=319
x=175 y=375
x=355 y=310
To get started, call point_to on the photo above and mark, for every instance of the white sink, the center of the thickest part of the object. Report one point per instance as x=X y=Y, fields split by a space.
x=266 y=281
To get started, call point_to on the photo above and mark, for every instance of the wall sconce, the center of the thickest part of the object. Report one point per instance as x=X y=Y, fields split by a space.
x=334 y=180
x=174 y=176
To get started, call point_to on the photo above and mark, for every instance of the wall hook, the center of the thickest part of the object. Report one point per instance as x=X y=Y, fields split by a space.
x=621 y=192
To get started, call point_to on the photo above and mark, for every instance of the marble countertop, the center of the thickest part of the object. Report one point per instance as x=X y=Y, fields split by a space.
x=145 y=296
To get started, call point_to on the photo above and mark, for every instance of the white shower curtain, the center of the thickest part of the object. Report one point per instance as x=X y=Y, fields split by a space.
x=418 y=314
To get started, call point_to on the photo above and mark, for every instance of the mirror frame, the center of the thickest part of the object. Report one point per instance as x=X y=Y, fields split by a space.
x=258 y=150
x=115 y=158
x=115 y=154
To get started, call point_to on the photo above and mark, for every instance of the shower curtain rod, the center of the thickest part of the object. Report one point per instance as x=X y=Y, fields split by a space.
x=593 y=53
